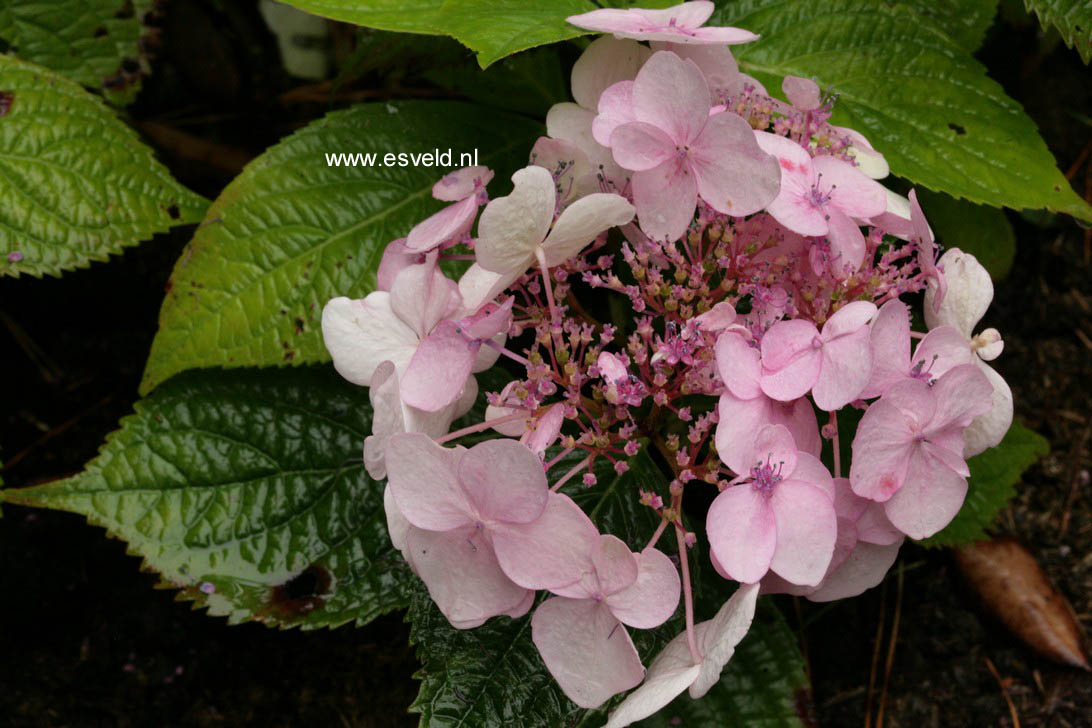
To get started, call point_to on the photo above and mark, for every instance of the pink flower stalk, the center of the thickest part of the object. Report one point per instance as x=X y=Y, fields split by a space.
x=823 y=196
x=580 y=632
x=464 y=187
x=486 y=527
x=781 y=518
x=677 y=151
x=675 y=669
x=922 y=236
x=679 y=24
x=745 y=409
x=834 y=365
x=866 y=547
x=970 y=292
x=909 y=454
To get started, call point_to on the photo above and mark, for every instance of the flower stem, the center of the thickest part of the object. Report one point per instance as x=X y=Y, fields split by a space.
x=688 y=597
x=656 y=535
x=576 y=469
x=481 y=426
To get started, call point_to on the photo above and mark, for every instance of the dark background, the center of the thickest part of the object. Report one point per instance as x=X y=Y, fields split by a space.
x=85 y=640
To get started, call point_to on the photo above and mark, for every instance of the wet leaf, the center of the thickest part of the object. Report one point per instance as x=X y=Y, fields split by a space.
x=1017 y=592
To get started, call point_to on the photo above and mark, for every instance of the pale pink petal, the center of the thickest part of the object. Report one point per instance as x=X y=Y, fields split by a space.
x=741 y=419
x=733 y=174
x=362 y=334
x=461 y=183
x=462 y=575
x=791 y=359
x=437 y=373
x=810 y=469
x=962 y=394
x=610 y=366
x=665 y=198
x=546 y=429
x=895 y=220
x=449 y=225
x=716 y=62
x=916 y=400
x=387 y=418
x=573 y=174
x=549 y=552
x=952 y=459
x=422 y=296
x=865 y=568
x=603 y=63
x=397 y=525
x=479 y=286
x=672 y=672
x=586 y=649
x=988 y=344
x=875 y=528
x=713 y=36
x=718 y=318
x=989 y=429
x=671 y=94
x=615 y=565
x=650 y=600
x=970 y=291
x=851 y=190
x=492 y=320
x=929 y=498
x=738 y=365
x=774 y=444
x=847 y=366
x=806 y=530
x=717 y=641
x=881 y=451
x=849 y=319
x=422 y=477
x=803 y=93
x=511 y=227
x=504 y=481
x=581 y=222
x=615 y=109
x=395 y=258
x=847 y=243
x=890 y=344
x=638 y=146
x=742 y=532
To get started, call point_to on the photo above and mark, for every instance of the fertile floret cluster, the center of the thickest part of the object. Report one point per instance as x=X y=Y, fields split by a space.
x=764 y=266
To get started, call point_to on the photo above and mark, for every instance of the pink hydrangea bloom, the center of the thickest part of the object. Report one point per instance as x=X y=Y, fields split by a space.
x=679 y=24
x=464 y=187
x=970 y=292
x=866 y=547
x=908 y=452
x=675 y=669
x=486 y=526
x=780 y=518
x=580 y=633
x=744 y=408
x=824 y=196
x=835 y=364
x=677 y=151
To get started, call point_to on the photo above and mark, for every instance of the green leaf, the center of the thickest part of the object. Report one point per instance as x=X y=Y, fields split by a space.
x=982 y=231
x=1072 y=18
x=528 y=83
x=966 y=21
x=75 y=183
x=291 y=232
x=918 y=96
x=251 y=482
x=994 y=474
x=85 y=40
x=492 y=28
x=763 y=686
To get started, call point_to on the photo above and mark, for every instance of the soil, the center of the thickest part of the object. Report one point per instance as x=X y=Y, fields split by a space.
x=88 y=641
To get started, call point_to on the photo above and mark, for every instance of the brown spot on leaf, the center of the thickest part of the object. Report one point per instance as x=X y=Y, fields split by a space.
x=300 y=325
x=173 y=212
x=126 y=10
x=302 y=594
x=99 y=32
x=7 y=98
x=957 y=128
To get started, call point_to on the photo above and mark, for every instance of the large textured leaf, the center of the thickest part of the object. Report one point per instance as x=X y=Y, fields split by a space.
x=994 y=474
x=982 y=231
x=1072 y=18
x=75 y=183
x=966 y=21
x=251 y=485
x=97 y=43
x=492 y=28
x=292 y=232
x=529 y=83
x=918 y=96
